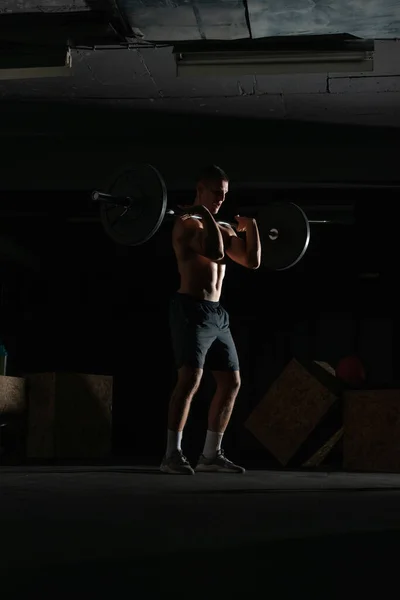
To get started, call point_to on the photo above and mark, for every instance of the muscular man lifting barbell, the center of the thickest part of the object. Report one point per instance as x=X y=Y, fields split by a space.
x=200 y=325
x=132 y=211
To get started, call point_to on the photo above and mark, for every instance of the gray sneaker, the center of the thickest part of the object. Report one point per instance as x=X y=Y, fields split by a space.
x=218 y=464
x=176 y=464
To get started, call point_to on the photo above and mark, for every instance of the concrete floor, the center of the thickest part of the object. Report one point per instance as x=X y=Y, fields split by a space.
x=134 y=531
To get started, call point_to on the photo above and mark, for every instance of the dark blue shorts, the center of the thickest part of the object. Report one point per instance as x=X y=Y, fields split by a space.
x=201 y=335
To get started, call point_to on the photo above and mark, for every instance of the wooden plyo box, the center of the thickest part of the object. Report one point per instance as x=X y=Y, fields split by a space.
x=12 y=395
x=292 y=407
x=371 y=440
x=69 y=415
x=12 y=419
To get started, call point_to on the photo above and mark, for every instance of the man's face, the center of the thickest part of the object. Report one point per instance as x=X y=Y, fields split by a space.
x=212 y=194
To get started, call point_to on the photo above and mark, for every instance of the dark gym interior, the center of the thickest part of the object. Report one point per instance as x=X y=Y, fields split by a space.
x=73 y=301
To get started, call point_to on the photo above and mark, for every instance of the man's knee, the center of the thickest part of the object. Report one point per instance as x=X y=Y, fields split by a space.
x=228 y=381
x=189 y=379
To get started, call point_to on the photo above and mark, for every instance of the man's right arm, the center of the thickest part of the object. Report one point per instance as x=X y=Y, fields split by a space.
x=212 y=242
x=203 y=237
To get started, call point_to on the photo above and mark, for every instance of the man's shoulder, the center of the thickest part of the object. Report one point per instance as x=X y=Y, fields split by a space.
x=186 y=223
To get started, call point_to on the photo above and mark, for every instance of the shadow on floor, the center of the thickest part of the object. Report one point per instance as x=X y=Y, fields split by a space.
x=322 y=567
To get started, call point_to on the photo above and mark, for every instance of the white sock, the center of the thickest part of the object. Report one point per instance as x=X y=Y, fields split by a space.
x=173 y=442
x=212 y=443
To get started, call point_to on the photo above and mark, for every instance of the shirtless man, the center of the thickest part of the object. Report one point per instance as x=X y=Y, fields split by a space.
x=200 y=325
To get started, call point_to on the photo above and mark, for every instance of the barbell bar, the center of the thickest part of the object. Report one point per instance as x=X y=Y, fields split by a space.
x=272 y=234
x=115 y=200
x=135 y=206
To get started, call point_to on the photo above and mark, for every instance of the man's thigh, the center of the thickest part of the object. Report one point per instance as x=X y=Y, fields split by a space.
x=223 y=355
x=192 y=335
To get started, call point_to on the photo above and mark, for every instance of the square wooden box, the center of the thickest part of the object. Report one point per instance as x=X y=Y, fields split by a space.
x=12 y=395
x=69 y=415
x=292 y=407
x=12 y=419
x=371 y=440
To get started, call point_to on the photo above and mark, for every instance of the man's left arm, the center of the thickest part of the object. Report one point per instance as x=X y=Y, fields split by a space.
x=245 y=252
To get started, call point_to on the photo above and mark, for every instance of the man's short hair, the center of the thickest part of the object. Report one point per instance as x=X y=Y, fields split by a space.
x=212 y=173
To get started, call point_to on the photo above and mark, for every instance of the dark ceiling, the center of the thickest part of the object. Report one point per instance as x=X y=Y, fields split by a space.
x=232 y=19
x=172 y=20
x=144 y=77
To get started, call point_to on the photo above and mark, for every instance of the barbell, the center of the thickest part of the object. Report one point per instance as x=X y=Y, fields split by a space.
x=135 y=206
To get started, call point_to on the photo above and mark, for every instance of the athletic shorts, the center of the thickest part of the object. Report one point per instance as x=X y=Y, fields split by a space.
x=201 y=335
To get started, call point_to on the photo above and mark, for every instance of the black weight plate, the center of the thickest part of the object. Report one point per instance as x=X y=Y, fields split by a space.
x=292 y=239
x=144 y=185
